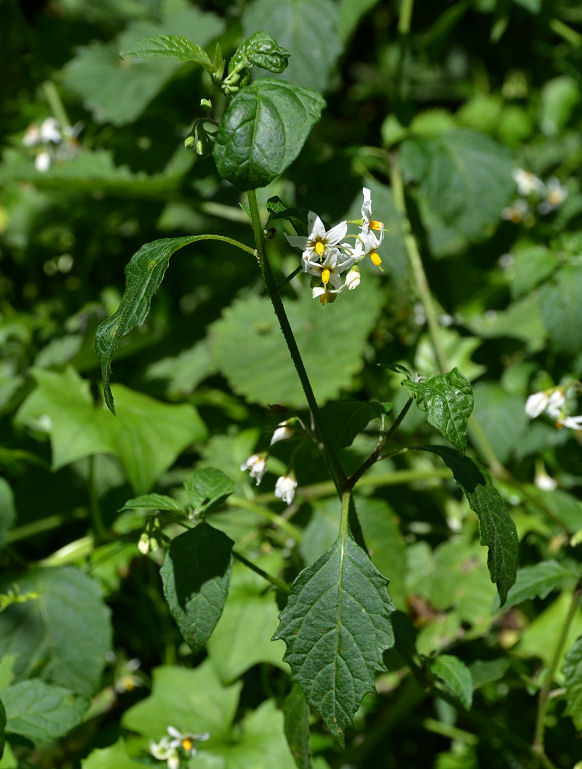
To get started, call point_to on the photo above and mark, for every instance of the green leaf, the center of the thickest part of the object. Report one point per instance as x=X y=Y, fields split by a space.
x=464 y=176
x=351 y=12
x=532 y=265
x=7 y=510
x=184 y=371
x=263 y=130
x=64 y=634
x=308 y=28
x=455 y=676
x=502 y=416
x=336 y=626
x=153 y=502
x=143 y=276
x=114 y=756
x=561 y=309
x=538 y=581
x=207 y=488
x=447 y=400
x=196 y=576
x=40 y=711
x=497 y=528
x=247 y=345
x=485 y=672
x=296 y=721
x=539 y=639
x=573 y=677
x=2 y=728
x=345 y=419
x=175 y=46
x=263 y=51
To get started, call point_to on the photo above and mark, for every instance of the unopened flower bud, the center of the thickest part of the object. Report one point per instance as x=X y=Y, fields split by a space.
x=353 y=279
x=282 y=433
x=144 y=544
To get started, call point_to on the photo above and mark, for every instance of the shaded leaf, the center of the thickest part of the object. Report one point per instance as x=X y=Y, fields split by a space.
x=345 y=419
x=196 y=576
x=207 y=488
x=447 y=400
x=538 y=581
x=561 y=309
x=336 y=626
x=153 y=502
x=497 y=528
x=573 y=677
x=40 y=711
x=296 y=725
x=7 y=510
x=455 y=676
x=115 y=755
x=263 y=130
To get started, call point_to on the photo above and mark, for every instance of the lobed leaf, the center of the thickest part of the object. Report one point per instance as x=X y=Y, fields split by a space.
x=497 y=528
x=175 y=46
x=455 y=676
x=263 y=130
x=40 y=711
x=336 y=626
x=208 y=488
x=447 y=400
x=573 y=677
x=196 y=577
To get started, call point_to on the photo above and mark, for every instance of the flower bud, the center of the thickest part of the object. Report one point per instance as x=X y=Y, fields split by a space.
x=353 y=279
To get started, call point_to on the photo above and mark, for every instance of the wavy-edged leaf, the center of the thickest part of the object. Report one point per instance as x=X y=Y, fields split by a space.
x=208 y=488
x=143 y=276
x=455 y=676
x=174 y=46
x=336 y=626
x=263 y=51
x=263 y=130
x=538 y=581
x=497 y=528
x=447 y=400
x=573 y=676
x=41 y=711
x=196 y=576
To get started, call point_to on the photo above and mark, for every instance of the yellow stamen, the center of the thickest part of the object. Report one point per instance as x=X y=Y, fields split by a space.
x=325 y=275
x=375 y=257
x=319 y=248
x=515 y=216
x=128 y=683
x=555 y=197
x=375 y=225
x=187 y=743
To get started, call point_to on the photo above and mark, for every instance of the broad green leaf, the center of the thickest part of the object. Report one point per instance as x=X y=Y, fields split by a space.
x=263 y=130
x=174 y=46
x=521 y=320
x=459 y=351
x=561 y=309
x=153 y=502
x=207 y=488
x=447 y=400
x=6 y=670
x=242 y=637
x=184 y=371
x=336 y=626
x=196 y=576
x=538 y=581
x=502 y=418
x=485 y=672
x=308 y=28
x=7 y=510
x=573 y=677
x=2 y=728
x=559 y=98
x=497 y=528
x=113 y=757
x=455 y=676
x=532 y=265
x=64 y=634
x=248 y=347
x=143 y=276
x=296 y=720
x=346 y=418
x=40 y=711
x=557 y=505
x=118 y=91
x=539 y=639
x=464 y=176
x=351 y=12
x=263 y=51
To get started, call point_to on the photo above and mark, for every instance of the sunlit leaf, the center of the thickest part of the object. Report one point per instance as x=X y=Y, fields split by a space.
x=455 y=676
x=573 y=677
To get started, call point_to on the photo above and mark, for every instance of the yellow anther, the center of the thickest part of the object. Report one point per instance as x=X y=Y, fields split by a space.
x=319 y=248
x=128 y=683
x=555 y=197
x=375 y=257
x=325 y=275
x=187 y=744
x=374 y=225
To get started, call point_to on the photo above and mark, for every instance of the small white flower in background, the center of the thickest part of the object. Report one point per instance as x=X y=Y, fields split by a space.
x=31 y=136
x=283 y=432
x=50 y=132
x=553 y=403
x=573 y=423
x=285 y=487
x=43 y=162
x=176 y=746
x=516 y=212
x=555 y=195
x=527 y=182
x=545 y=482
x=353 y=278
x=257 y=464
x=556 y=405
x=537 y=403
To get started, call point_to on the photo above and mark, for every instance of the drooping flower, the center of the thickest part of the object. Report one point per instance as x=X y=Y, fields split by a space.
x=353 y=278
x=545 y=482
x=285 y=487
x=257 y=464
x=283 y=432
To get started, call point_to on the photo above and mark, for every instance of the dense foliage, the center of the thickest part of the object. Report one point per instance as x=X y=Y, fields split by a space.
x=396 y=582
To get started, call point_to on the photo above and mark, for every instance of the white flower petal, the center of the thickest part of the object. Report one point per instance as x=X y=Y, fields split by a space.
x=535 y=404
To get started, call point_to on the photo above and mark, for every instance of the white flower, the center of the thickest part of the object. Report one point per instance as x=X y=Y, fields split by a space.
x=282 y=433
x=574 y=423
x=527 y=182
x=31 y=136
x=536 y=404
x=257 y=464
x=50 y=131
x=326 y=295
x=319 y=241
x=366 y=245
x=353 y=278
x=162 y=749
x=171 y=748
x=516 y=211
x=144 y=544
x=285 y=487
x=556 y=194
x=330 y=268
x=545 y=482
x=556 y=404
x=369 y=223
x=43 y=162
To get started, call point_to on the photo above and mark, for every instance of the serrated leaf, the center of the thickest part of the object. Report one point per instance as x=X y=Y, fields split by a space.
x=296 y=725
x=538 y=581
x=573 y=677
x=345 y=419
x=207 y=488
x=196 y=577
x=497 y=528
x=152 y=502
x=263 y=130
x=308 y=28
x=455 y=676
x=174 y=46
x=64 y=634
x=447 y=400
x=143 y=275
x=40 y=711
x=336 y=626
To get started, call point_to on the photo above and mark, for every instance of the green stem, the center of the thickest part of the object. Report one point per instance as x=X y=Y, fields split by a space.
x=396 y=478
x=273 y=518
x=405 y=17
x=94 y=508
x=55 y=103
x=41 y=526
x=224 y=239
x=257 y=569
x=569 y=34
x=321 y=432
x=544 y=697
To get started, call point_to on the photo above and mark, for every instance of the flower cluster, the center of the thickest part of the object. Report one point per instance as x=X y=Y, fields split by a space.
x=545 y=196
x=327 y=258
x=553 y=403
x=51 y=142
x=176 y=746
x=257 y=464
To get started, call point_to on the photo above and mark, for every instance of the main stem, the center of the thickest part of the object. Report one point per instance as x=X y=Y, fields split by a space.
x=336 y=469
